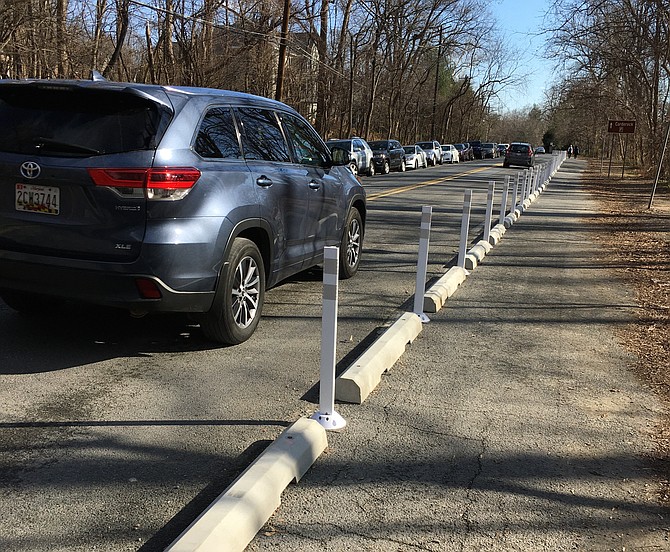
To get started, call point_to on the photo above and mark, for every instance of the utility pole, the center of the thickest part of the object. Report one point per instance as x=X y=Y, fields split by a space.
x=437 y=78
x=282 y=51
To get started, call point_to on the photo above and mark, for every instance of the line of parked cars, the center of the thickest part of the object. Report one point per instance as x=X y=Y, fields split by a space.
x=384 y=156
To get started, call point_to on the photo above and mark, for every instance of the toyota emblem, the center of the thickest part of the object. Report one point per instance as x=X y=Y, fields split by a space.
x=30 y=169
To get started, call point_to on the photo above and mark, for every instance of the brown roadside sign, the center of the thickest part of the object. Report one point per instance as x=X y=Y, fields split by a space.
x=622 y=127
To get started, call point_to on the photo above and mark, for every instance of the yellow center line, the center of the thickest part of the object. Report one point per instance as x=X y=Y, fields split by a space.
x=372 y=197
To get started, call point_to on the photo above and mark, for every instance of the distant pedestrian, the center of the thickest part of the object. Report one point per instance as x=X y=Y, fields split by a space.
x=569 y=151
x=575 y=151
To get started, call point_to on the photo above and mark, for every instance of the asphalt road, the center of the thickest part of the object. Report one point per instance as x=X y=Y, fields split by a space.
x=115 y=432
x=512 y=422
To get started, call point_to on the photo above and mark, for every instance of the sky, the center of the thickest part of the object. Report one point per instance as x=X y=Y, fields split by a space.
x=520 y=21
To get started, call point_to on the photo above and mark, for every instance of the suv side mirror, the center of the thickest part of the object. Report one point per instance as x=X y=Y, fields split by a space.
x=340 y=156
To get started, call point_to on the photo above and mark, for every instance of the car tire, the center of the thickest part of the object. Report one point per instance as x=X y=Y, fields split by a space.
x=371 y=170
x=403 y=167
x=351 y=245
x=386 y=167
x=240 y=293
x=353 y=168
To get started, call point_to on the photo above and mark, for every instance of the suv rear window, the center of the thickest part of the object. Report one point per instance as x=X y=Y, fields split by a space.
x=519 y=148
x=71 y=122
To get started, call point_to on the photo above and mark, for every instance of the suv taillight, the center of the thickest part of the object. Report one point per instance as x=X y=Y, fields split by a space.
x=166 y=183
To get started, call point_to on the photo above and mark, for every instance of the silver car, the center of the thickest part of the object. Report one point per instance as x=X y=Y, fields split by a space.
x=433 y=151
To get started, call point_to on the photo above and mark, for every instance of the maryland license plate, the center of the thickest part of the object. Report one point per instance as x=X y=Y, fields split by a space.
x=37 y=199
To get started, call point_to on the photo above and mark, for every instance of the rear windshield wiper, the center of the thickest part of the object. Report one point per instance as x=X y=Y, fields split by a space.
x=48 y=144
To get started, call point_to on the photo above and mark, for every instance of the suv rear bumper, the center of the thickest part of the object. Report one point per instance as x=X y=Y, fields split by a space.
x=99 y=288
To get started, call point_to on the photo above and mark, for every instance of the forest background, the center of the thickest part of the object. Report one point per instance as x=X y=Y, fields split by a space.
x=407 y=69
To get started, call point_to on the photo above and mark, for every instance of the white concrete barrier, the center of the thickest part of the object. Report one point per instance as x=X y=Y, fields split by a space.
x=361 y=378
x=231 y=522
x=435 y=297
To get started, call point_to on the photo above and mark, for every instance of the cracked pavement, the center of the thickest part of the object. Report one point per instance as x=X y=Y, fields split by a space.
x=513 y=422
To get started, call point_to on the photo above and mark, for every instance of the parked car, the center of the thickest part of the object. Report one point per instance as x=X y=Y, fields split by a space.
x=359 y=152
x=388 y=155
x=450 y=153
x=519 y=153
x=539 y=150
x=489 y=150
x=415 y=157
x=155 y=198
x=476 y=149
x=433 y=151
x=502 y=148
x=465 y=151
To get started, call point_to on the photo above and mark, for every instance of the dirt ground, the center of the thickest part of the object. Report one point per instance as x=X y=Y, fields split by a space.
x=638 y=241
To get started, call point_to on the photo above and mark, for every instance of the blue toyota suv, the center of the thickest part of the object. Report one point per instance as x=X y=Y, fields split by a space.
x=158 y=198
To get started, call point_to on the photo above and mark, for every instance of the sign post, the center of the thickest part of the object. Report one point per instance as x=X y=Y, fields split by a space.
x=620 y=127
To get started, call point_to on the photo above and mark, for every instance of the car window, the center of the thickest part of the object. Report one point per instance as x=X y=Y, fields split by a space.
x=77 y=122
x=261 y=136
x=306 y=144
x=379 y=144
x=344 y=144
x=217 y=136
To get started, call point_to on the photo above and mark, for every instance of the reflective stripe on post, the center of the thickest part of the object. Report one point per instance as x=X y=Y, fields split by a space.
x=422 y=265
x=326 y=415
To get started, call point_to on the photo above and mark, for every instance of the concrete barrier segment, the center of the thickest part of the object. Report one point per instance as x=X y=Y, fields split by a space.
x=500 y=229
x=470 y=262
x=235 y=517
x=360 y=379
x=495 y=235
x=479 y=251
x=435 y=297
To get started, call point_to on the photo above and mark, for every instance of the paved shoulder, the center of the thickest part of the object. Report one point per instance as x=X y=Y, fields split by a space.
x=512 y=422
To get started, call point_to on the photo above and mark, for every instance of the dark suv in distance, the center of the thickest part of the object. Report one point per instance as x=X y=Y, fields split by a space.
x=476 y=149
x=519 y=153
x=153 y=198
x=388 y=155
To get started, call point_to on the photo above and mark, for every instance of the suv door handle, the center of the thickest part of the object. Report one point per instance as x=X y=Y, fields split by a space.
x=314 y=185
x=264 y=181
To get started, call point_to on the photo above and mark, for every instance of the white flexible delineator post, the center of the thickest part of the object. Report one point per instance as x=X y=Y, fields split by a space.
x=326 y=415
x=489 y=210
x=465 y=225
x=422 y=264
x=503 y=200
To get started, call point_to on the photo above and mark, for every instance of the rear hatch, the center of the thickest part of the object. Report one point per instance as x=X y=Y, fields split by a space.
x=55 y=135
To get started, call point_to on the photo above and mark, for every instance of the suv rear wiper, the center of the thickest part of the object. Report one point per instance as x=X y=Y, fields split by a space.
x=56 y=145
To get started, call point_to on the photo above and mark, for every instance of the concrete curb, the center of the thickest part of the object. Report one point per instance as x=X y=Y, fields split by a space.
x=231 y=522
x=476 y=254
x=497 y=233
x=359 y=380
x=445 y=287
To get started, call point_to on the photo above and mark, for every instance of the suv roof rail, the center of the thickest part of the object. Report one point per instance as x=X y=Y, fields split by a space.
x=96 y=76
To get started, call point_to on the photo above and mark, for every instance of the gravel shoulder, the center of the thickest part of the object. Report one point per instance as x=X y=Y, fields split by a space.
x=636 y=241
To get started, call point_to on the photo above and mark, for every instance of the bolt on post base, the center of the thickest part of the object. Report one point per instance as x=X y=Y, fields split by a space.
x=330 y=420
